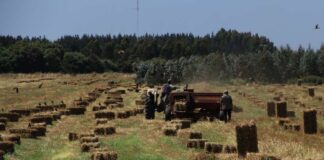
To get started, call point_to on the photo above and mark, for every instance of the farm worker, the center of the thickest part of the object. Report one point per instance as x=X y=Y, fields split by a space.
x=150 y=104
x=165 y=99
x=226 y=106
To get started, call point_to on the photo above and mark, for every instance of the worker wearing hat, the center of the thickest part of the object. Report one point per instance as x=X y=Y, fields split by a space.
x=226 y=107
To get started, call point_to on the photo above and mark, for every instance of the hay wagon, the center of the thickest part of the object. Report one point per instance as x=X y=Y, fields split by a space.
x=190 y=104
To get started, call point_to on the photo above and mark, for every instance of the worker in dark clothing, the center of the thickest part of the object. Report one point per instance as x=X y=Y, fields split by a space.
x=150 y=104
x=165 y=99
x=226 y=106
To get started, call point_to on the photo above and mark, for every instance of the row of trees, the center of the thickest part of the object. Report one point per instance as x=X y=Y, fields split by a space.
x=155 y=58
x=279 y=66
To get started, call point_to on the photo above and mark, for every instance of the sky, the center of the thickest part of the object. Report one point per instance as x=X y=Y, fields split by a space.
x=282 y=21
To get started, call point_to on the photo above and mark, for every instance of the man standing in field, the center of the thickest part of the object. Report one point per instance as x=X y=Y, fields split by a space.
x=226 y=106
x=150 y=104
x=165 y=99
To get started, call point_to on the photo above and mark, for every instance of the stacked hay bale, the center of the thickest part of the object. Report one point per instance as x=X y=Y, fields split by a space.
x=291 y=127
x=3 y=120
x=2 y=126
x=105 y=130
x=291 y=114
x=229 y=149
x=170 y=130
x=99 y=107
x=196 y=143
x=76 y=110
x=212 y=147
x=311 y=92
x=282 y=109
x=101 y=121
x=105 y=114
x=21 y=112
x=271 y=109
x=73 y=136
x=282 y=121
x=12 y=117
x=24 y=132
x=187 y=134
x=40 y=127
x=103 y=154
x=7 y=146
x=246 y=138
x=182 y=123
x=42 y=118
x=11 y=138
x=310 y=122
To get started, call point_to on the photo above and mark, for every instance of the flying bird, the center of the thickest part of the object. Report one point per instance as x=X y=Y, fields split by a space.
x=317 y=26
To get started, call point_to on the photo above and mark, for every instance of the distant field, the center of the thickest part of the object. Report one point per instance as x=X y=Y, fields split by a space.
x=141 y=139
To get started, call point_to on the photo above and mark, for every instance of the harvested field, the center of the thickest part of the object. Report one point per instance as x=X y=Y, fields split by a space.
x=136 y=138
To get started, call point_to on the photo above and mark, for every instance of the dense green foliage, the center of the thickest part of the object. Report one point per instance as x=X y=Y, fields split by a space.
x=155 y=58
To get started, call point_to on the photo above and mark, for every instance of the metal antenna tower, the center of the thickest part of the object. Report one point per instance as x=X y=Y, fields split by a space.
x=137 y=17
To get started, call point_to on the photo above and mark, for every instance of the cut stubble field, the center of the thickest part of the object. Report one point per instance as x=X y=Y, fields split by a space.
x=140 y=139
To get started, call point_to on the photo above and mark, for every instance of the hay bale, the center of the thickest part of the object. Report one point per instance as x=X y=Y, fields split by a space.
x=3 y=120
x=111 y=101
x=48 y=119
x=105 y=130
x=169 y=131
x=122 y=115
x=311 y=92
x=205 y=156
x=253 y=138
x=21 y=112
x=86 y=147
x=271 y=109
x=310 y=122
x=24 y=132
x=189 y=134
x=86 y=135
x=183 y=123
x=2 y=126
x=41 y=130
x=212 y=147
x=7 y=146
x=291 y=114
x=89 y=139
x=242 y=139
x=76 y=110
x=12 y=117
x=229 y=149
x=283 y=121
x=10 y=137
x=196 y=143
x=104 y=155
x=292 y=127
x=38 y=124
x=101 y=121
x=98 y=108
x=282 y=109
x=73 y=136
x=105 y=114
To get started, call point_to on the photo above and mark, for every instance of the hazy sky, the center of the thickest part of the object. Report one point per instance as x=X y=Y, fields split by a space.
x=283 y=21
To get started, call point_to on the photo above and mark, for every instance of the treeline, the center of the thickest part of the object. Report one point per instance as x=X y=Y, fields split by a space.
x=226 y=54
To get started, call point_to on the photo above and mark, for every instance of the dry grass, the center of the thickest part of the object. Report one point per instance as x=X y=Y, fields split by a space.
x=137 y=138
